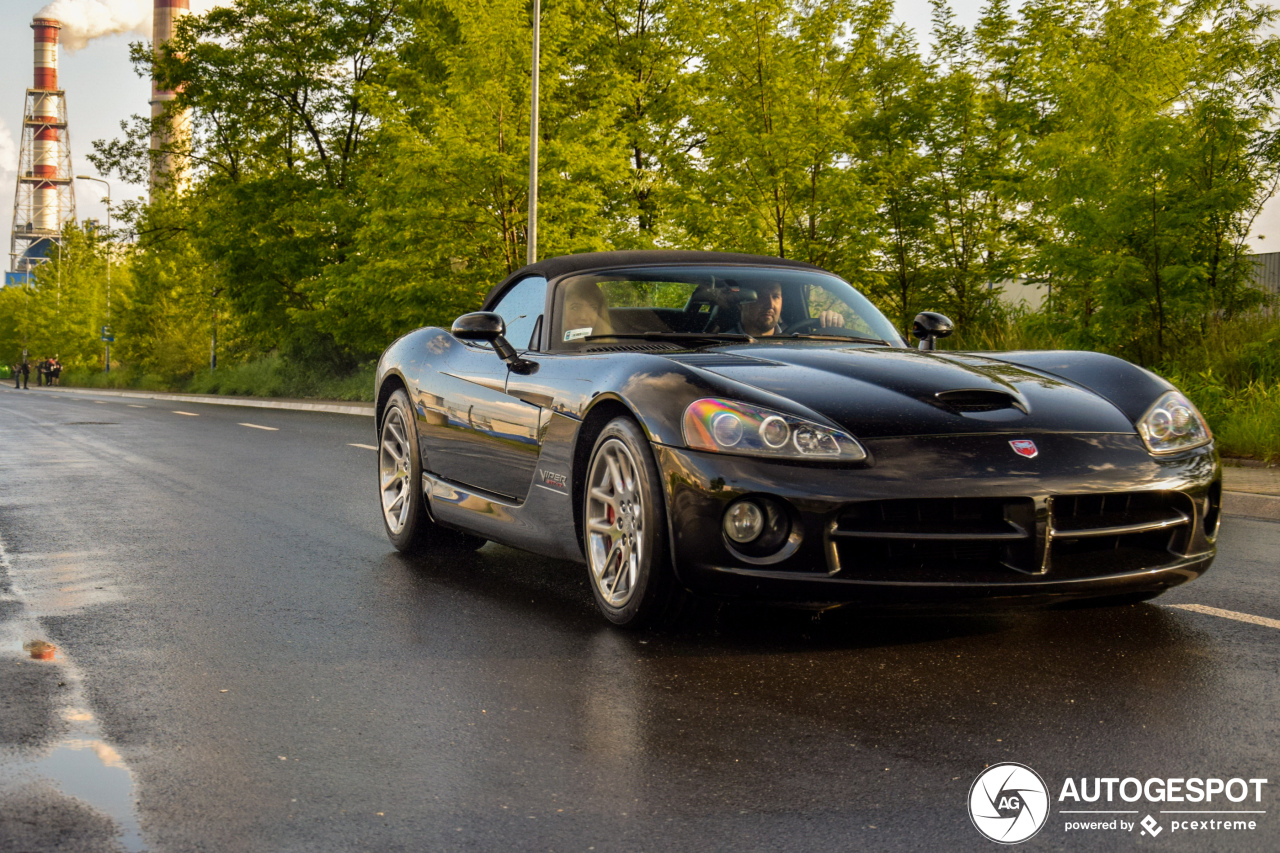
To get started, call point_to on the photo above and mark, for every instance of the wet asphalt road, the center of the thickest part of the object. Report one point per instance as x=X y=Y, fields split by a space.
x=243 y=663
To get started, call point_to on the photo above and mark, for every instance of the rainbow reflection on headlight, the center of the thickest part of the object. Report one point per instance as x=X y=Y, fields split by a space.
x=727 y=426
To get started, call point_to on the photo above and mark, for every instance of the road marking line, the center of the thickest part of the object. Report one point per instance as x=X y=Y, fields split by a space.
x=101 y=402
x=255 y=426
x=1229 y=614
x=364 y=446
x=132 y=406
x=188 y=414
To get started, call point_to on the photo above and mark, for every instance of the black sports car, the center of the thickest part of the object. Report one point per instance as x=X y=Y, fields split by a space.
x=741 y=426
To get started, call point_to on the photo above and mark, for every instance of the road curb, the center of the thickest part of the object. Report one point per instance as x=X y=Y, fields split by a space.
x=364 y=409
x=1249 y=505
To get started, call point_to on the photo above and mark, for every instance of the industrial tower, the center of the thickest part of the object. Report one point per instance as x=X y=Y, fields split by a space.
x=167 y=170
x=45 y=199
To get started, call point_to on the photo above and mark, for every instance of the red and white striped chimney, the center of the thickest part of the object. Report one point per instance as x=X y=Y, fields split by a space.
x=46 y=147
x=165 y=17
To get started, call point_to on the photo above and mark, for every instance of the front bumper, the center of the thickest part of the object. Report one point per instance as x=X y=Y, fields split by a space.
x=952 y=521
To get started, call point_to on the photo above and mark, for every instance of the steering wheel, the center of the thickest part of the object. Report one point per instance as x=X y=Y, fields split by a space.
x=804 y=326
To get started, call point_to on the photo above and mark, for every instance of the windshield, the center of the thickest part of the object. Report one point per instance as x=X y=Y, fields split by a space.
x=712 y=302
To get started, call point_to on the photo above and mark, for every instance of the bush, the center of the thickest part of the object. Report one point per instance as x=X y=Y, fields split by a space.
x=275 y=376
x=270 y=376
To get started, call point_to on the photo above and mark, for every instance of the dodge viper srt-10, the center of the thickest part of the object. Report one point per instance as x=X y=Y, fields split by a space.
x=733 y=426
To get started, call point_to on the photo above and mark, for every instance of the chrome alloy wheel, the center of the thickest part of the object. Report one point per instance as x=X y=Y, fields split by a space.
x=395 y=471
x=615 y=522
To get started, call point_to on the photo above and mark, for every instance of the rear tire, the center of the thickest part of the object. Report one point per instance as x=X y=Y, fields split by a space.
x=624 y=528
x=405 y=515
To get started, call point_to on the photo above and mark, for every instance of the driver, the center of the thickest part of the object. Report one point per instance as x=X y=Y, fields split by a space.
x=586 y=312
x=763 y=316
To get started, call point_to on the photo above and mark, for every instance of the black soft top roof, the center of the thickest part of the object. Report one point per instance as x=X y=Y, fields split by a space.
x=552 y=268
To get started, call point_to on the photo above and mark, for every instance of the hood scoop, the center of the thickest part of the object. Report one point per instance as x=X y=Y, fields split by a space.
x=981 y=401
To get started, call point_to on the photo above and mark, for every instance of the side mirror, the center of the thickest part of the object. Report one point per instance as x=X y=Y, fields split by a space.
x=929 y=326
x=490 y=328
x=479 y=326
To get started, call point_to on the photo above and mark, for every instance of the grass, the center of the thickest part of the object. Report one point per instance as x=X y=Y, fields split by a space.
x=274 y=376
x=271 y=376
x=1245 y=420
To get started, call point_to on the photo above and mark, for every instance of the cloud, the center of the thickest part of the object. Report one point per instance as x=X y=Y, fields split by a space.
x=8 y=184
x=8 y=150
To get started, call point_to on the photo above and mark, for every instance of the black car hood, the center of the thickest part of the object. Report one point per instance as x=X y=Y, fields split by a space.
x=880 y=391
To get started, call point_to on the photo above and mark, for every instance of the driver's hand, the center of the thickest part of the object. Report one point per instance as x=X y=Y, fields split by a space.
x=831 y=318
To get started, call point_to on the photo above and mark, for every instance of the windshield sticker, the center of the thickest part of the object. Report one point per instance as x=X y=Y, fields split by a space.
x=577 y=334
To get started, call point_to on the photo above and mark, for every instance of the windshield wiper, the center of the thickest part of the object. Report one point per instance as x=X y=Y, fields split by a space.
x=677 y=336
x=849 y=338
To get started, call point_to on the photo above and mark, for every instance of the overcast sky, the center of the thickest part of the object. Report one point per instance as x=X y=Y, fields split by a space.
x=102 y=91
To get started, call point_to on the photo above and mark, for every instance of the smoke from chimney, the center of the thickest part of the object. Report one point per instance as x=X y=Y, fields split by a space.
x=85 y=20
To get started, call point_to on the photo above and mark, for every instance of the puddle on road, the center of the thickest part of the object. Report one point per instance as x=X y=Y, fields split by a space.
x=65 y=583
x=83 y=766
x=80 y=764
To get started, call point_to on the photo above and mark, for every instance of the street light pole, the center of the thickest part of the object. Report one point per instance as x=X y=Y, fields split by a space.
x=533 y=140
x=109 y=253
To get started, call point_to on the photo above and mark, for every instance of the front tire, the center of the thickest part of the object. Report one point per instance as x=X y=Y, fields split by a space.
x=625 y=529
x=405 y=516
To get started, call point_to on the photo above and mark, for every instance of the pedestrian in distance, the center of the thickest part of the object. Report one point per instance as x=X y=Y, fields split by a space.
x=42 y=368
x=17 y=376
x=55 y=371
x=26 y=373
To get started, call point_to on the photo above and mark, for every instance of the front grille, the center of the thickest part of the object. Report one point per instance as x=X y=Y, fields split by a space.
x=1125 y=531
x=995 y=540
x=935 y=539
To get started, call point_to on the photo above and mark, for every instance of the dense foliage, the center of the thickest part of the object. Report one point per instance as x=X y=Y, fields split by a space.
x=358 y=168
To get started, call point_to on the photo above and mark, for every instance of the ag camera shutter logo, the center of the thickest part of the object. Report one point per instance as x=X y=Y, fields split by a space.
x=1008 y=802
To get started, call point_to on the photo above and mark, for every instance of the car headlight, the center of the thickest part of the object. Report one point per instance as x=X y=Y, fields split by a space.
x=725 y=426
x=1173 y=424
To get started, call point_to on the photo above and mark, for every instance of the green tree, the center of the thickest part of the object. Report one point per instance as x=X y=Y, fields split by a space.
x=63 y=309
x=892 y=163
x=1156 y=155
x=774 y=106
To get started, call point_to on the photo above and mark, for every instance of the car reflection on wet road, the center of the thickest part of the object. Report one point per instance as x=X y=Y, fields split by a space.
x=242 y=663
